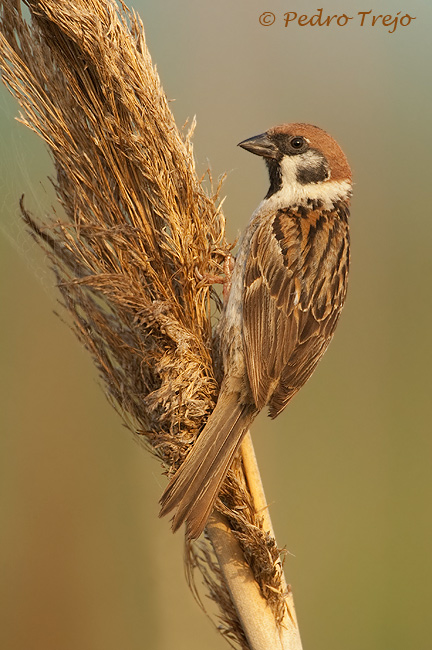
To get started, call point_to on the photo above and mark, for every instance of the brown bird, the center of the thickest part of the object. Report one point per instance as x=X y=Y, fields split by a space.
x=288 y=287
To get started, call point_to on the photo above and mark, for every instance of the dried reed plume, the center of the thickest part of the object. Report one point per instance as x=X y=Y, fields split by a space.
x=137 y=233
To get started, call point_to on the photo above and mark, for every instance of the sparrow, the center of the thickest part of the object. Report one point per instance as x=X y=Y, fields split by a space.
x=288 y=288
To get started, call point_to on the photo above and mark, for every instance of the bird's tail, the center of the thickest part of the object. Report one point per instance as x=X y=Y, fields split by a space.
x=193 y=489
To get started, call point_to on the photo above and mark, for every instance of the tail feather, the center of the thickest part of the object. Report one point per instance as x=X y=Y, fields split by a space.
x=194 y=488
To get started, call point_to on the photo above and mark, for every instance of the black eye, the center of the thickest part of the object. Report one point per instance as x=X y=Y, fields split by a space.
x=297 y=143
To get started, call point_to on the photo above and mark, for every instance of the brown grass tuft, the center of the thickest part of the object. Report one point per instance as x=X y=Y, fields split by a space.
x=138 y=223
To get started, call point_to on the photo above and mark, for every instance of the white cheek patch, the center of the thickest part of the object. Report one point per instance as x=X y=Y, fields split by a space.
x=288 y=167
x=292 y=192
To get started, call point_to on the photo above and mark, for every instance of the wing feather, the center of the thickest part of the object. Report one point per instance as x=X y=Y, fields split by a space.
x=295 y=285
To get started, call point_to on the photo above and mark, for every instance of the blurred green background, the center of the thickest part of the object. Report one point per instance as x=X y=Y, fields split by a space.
x=85 y=561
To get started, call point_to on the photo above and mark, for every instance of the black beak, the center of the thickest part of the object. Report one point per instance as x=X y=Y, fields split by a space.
x=260 y=145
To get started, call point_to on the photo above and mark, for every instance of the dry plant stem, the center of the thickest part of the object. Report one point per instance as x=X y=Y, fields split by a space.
x=290 y=632
x=254 y=481
x=256 y=617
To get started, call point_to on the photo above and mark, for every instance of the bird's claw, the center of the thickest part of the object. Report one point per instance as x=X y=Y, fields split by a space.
x=225 y=279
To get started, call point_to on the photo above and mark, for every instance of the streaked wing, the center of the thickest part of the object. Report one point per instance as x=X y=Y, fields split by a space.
x=295 y=285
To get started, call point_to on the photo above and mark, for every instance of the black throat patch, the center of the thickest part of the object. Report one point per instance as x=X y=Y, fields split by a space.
x=275 y=176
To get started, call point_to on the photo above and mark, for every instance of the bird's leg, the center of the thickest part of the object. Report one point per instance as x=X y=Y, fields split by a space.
x=225 y=279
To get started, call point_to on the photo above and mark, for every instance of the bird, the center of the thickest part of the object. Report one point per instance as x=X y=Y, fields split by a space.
x=287 y=290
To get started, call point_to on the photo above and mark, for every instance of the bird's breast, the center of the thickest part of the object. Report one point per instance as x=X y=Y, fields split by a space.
x=230 y=328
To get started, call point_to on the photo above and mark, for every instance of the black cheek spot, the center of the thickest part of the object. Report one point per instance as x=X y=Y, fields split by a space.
x=313 y=174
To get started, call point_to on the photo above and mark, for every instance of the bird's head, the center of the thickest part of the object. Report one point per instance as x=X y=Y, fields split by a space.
x=302 y=160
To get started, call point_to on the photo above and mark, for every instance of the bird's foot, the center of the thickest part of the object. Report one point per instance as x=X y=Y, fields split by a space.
x=225 y=279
